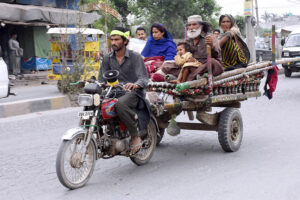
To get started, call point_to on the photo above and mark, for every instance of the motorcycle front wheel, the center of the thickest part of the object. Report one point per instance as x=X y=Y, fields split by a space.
x=149 y=144
x=71 y=172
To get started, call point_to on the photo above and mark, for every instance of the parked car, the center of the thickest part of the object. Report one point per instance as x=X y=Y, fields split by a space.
x=4 y=81
x=291 y=49
x=263 y=51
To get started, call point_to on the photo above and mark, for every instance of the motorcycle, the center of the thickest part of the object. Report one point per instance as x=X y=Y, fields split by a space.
x=101 y=134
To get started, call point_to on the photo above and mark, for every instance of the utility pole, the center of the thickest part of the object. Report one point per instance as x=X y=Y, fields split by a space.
x=248 y=12
x=257 y=18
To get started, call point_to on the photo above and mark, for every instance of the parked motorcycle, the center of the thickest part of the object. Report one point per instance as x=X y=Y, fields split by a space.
x=101 y=134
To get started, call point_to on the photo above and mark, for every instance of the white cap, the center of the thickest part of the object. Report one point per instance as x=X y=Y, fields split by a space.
x=195 y=18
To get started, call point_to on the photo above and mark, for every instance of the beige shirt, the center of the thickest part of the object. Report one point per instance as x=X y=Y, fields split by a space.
x=183 y=60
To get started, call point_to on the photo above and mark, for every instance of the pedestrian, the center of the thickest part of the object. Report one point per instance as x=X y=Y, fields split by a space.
x=217 y=33
x=15 y=54
x=141 y=33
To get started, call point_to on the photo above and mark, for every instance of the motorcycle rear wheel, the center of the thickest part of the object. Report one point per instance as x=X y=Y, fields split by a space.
x=70 y=172
x=146 y=152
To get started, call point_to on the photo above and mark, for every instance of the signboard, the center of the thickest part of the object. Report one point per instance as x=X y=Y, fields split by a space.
x=105 y=8
x=248 y=7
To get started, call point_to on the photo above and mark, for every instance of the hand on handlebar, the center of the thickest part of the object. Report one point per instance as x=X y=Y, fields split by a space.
x=130 y=86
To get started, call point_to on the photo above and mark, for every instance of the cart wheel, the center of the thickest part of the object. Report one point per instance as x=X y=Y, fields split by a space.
x=160 y=136
x=230 y=129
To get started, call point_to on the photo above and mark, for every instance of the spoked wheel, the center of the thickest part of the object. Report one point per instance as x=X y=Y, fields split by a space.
x=230 y=130
x=149 y=144
x=71 y=172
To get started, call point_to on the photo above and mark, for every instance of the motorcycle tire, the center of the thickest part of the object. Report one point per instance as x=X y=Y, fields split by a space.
x=64 y=162
x=146 y=152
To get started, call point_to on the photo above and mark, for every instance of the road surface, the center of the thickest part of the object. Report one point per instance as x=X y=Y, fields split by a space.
x=189 y=166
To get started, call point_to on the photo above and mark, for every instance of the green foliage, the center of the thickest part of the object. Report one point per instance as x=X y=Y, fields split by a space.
x=111 y=21
x=120 y=5
x=173 y=13
x=69 y=75
x=123 y=9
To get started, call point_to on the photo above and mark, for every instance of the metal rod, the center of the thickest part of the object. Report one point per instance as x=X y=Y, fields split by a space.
x=273 y=45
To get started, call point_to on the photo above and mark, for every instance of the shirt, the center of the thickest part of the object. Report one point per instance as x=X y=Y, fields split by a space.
x=132 y=68
x=13 y=45
x=182 y=61
x=199 y=50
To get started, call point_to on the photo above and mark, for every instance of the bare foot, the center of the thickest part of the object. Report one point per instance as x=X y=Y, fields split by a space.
x=135 y=146
x=175 y=81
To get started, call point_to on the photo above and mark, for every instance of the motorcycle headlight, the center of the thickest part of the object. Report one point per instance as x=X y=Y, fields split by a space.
x=85 y=100
x=286 y=54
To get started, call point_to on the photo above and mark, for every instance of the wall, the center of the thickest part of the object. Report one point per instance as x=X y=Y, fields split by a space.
x=42 y=45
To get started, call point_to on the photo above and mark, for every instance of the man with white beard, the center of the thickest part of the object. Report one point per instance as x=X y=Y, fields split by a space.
x=198 y=39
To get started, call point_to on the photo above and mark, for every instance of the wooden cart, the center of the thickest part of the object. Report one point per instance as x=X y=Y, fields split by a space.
x=226 y=91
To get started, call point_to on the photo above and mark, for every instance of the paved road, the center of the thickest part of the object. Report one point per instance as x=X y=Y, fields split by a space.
x=189 y=166
x=32 y=92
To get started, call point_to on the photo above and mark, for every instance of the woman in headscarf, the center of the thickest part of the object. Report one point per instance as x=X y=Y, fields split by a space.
x=159 y=48
x=159 y=43
x=235 y=53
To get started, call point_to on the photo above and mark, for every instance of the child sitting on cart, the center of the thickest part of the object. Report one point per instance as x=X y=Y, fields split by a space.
x=185 y=60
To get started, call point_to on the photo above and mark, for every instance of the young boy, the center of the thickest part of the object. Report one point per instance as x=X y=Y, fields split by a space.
x=185 y=60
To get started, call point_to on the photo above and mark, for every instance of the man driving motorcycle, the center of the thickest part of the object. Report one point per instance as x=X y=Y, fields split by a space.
x=133 y=75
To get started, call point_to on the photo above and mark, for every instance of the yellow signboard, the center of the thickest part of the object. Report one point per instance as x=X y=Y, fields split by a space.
x=248 y=7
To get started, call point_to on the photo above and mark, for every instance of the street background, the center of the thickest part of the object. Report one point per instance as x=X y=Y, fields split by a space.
x=189 y=166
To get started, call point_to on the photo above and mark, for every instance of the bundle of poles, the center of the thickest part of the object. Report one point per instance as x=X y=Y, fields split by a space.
x=235 y=81
x=249 y=75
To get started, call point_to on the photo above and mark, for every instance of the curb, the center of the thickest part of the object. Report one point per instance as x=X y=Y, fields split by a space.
x=34 y=105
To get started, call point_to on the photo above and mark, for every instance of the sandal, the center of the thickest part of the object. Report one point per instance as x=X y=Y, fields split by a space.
x=134 y=149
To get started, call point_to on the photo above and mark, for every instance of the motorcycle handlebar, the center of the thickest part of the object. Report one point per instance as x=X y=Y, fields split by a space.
x=101 y=84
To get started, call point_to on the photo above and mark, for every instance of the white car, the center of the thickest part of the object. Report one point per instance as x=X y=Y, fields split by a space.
x=291 y=49
x=4 y=81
